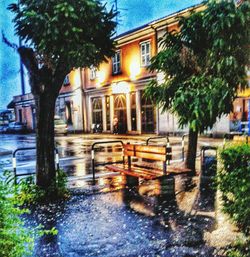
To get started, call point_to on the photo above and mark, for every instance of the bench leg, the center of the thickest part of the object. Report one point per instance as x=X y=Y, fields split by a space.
x=167 y=186
x=131 y=181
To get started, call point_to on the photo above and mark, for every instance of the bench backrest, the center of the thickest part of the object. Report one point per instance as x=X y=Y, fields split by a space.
x=156 y=153
x=241 y=139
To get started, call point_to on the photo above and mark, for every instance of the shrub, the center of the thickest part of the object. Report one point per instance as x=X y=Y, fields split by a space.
x=29 y=193
x=234 y=183
x=239 y=249
x=15 y=240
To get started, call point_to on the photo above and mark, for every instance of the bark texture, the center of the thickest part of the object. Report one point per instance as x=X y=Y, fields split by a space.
x=45 y=164
x=192 y=150
x=45 y=85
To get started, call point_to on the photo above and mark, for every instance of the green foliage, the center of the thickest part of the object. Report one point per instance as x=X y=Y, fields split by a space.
x=29 y=193
x=58 y=36
x=71 y=33
x=204 y=64
x=15 y=240
x=239 y=249
x=234 y=183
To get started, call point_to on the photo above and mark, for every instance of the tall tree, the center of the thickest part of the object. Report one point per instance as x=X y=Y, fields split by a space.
x=204 y=64
x=59 y=35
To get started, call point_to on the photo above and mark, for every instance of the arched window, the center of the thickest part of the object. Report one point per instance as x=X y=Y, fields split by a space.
x=97 y=111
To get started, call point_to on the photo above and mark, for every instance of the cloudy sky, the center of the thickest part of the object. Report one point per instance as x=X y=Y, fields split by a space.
x=133 y=13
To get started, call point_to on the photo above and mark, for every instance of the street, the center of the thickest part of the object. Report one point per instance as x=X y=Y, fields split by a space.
x=75 y=151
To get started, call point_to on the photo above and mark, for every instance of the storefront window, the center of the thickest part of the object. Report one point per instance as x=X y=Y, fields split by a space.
x=147 y=115
x=97 y=114
x=120 y=112
x=133 y=111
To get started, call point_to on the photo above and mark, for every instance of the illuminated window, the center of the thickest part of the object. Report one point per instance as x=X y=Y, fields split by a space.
x=116 y=63
x=92 y=74
x=145 y=53
x=66 y=81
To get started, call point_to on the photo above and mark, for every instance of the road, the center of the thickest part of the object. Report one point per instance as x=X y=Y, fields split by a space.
x=75 y=151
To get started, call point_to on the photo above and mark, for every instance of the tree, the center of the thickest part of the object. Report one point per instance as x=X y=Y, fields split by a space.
x=58 y=35
x=204 y=64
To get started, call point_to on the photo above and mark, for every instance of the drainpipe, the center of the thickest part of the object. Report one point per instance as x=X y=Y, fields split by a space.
x=156 y=39
x=84 y=110
x=155 y=53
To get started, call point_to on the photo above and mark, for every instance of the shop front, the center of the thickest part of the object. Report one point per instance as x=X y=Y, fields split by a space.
x=121 y=112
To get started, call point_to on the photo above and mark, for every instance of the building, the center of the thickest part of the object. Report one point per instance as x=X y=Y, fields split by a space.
x=110 y=98
x=6 y=116
x=68 y=104
x=115 y=90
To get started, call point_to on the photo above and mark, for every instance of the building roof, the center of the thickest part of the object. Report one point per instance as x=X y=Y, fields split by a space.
x=157 y=20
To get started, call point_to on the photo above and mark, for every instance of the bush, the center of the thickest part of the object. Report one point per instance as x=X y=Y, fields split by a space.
x=29 y=193
x=234 y=183
x=15 y=240
x=239 y=249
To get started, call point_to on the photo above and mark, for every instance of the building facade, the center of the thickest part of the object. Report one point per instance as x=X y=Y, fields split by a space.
x=68 y=104
x=114 y=91
x=110 y=98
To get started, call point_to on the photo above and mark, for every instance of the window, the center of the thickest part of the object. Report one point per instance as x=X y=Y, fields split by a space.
x=145 y=53
x=133 y=111
x=148 y=114
x=116 y=63
x=66 y=81
x=92 y=73
x=97 y=111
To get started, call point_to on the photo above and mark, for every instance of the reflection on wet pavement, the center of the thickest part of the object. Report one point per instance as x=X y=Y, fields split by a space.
x=109 y=219
x=113 y=220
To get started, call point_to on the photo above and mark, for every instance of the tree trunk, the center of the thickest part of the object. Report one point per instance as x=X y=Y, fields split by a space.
x=192 y=149
x=45 y=165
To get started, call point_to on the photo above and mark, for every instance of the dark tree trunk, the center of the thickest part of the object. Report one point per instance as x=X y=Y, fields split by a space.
x=45 y=166
x=192 y=149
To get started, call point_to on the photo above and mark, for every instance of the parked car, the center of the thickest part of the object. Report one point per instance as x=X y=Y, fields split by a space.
x=17 y=127
x=60 y=126
x=3 y=128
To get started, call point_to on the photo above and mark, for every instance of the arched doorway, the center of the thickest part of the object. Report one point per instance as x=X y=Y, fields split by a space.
x=120 y=112
x=97 y=114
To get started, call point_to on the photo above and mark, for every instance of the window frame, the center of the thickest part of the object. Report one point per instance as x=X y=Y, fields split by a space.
x=92 y=72
x=116 y=65
x=145 y=63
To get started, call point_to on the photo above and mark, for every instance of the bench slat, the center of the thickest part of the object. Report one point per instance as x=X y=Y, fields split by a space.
x=151 y=156
x=131 y=172
x=150 y=149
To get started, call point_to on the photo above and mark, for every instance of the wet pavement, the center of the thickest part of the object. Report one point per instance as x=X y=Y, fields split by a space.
x=109 y=219
x=126 y=222
x=75 y=151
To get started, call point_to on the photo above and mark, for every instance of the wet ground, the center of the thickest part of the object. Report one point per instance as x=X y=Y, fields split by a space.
x=75 y=151
x=109 y=219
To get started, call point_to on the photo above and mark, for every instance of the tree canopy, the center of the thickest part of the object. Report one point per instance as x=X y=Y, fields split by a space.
x=57 y=36
x=69 y=33
x=204 y=64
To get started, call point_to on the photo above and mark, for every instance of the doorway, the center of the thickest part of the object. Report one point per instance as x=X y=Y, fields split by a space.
x=120 y=112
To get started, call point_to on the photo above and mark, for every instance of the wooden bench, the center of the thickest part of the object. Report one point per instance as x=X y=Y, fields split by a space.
x=241 y=139
x=149 y=153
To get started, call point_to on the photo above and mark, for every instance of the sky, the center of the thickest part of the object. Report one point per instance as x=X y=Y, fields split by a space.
x=133 y=13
